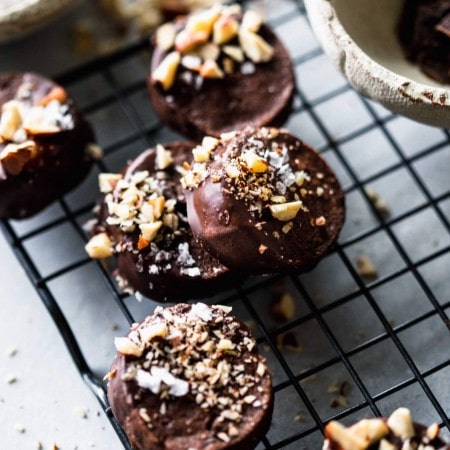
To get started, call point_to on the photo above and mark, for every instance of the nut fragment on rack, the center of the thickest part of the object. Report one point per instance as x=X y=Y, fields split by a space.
x=366 y=268
x=380 y=204
x=99 y=246
x=282 y=308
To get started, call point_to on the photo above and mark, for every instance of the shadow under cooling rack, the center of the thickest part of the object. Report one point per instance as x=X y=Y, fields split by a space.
x=385 y=340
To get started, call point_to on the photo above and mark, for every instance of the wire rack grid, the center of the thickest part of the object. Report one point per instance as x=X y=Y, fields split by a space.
x=363 y=346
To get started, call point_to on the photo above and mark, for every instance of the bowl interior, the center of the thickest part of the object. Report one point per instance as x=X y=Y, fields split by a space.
x=373 y=27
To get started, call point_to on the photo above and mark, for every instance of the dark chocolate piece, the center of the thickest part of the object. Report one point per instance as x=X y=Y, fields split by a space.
x=190 y=377
x=171 y=265
x=425 y=36
x=246 y=92
x=44 y=143
x=265 y=202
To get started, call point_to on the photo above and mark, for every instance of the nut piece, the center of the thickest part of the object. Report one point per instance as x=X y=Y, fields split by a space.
x=366 y=268
x=372 y=430
x=99 y=246
x=157 y=205
x=251 y=21
x=283 y=308
x=154 y=330
x=210 y=143
x=167 y=69
x=225 y=29
x=10 y=120
x=127 y=347
x=234 y=52
x=433 y=431
x=150 y=230
x=385 y=445
x=204 y=21
x=207 y=51
x=201 y=154
x=232 y=171
x=165 y=36
x=342 y=436
x=186 y=40
x=255 y=47
x=107 y=181
x=254 y=162
x=286 y=211
x=400 y=422
x=163 y=157
x=14 y=156
x=210 y=69
x=57 y=93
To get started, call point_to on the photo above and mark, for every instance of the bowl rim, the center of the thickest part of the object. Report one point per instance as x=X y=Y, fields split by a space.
x=331 y=26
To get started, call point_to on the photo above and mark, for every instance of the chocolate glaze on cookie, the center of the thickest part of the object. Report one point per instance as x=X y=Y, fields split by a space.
x=398 y=432
x=190 y=377
x=424 y=32
x=157 y=255
x=44 y=144
x=219 y=92
x=264 y=202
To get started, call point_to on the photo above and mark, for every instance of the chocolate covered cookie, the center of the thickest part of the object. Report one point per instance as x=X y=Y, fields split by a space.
x=220 y=70
x=425 y=35
x=143 y=222
x=398 y=432
x=262 y=201
x=190 y=377
x=44 y=144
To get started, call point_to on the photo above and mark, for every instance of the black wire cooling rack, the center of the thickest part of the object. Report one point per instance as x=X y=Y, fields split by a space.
x=363 y=346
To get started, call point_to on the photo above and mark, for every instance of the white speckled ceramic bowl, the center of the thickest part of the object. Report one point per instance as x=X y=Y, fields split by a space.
x=20 y=17
x=360 y=38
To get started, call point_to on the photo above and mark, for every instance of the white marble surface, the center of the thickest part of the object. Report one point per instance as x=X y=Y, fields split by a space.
x=48 y=398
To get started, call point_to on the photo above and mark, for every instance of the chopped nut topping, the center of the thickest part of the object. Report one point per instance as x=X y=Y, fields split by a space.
x=182 y=352
x=255 y=47
x=126 y=346
x=57 y=93
x=165 y=36
x=400 y=422
x=14 y=157
x=107 y=181
x=10 y=120
x=286 y=211
x=433 y=431
x=205 y=36
x=253 y=162
x=99 y=246
x=163 y=157
x=166 y=71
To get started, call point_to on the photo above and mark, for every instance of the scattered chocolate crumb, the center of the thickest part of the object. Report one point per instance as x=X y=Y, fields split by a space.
x=115 y=326
x=366 y=268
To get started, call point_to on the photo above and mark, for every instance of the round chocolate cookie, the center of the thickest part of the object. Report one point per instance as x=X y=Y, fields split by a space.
x=220 y=70
x=44 y=144
x=143 y=222
x=190 y=377
x=398 y=432
x=262 y=201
